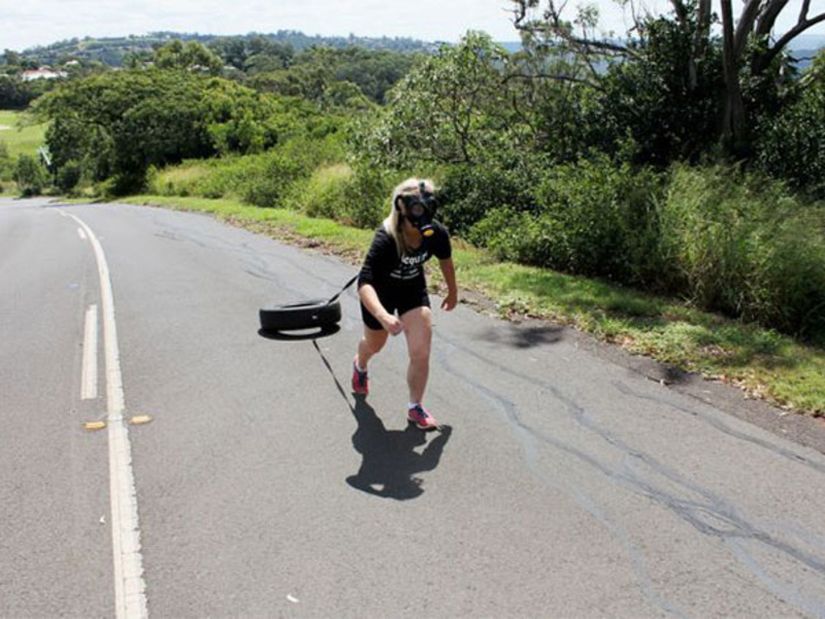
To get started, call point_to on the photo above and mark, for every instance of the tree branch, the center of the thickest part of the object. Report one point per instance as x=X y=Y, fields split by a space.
x=702 y=28
x=681 y=11
x=556 y=27
x=788 y=37
x=769 y=15
x=745 y=26
x=803 y=14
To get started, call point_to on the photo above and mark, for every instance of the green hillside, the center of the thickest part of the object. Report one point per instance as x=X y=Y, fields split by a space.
x=20 y=139
x=113 y=50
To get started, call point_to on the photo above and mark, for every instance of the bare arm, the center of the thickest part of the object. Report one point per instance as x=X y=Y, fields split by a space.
x=371 y=301
x=448 y=271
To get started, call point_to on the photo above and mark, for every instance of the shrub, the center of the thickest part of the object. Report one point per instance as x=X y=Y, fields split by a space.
x=265 y=179
x=324 y=193
x=469 y=192
x=30 y=175
x=68 y=176
x=790 y=145
x=590 y=218
x=367 y=195
x=6 y=166
x=180 y=180
x=358 y=196
x=746 y=246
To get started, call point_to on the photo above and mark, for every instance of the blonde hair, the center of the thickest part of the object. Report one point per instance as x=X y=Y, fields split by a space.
x=393 y=222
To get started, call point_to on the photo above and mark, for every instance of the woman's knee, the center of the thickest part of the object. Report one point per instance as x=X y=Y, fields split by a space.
x=418 y=328
x=419 y=353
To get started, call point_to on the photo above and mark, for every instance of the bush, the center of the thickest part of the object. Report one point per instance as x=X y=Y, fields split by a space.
x=6 y=167
x=746 y=246
x=367 y=196
x=180 y=180
x=266 y=179
x=357 y=196
x=324 y=194
x=590 y=218
x=469 y=192
x=69 y=176
x=790 y=145
x=30 y=175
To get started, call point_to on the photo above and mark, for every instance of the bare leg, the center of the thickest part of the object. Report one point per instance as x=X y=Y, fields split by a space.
x=371 y=343
x=418 y=330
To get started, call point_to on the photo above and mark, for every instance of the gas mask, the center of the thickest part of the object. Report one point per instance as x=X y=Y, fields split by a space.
x=420 y=210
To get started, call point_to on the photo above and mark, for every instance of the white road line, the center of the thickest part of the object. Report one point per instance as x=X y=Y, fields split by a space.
x=130 y=588
x=88 y=380
x=81 y=234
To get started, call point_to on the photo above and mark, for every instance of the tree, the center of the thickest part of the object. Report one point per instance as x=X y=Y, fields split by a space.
x=190 y=55
x=30 y=175
x=12 y=58
x=790 y=144
x=120 y=123
x=15 y=93
x=751 y=35
x=452 y=108
x=750 y=44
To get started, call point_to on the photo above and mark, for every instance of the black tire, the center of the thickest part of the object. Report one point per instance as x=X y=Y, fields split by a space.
x=304 y=315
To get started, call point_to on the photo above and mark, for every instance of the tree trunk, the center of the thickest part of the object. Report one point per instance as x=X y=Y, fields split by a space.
x=733 y=118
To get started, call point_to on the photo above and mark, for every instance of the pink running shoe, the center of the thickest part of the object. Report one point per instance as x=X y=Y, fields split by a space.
x=421 y=418
x=360 y=381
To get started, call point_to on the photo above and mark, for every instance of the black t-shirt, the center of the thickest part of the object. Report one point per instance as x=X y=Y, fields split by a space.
x=383 y=267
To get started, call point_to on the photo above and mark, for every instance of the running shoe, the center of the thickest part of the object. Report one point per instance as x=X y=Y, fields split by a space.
x=421 y=418
x=360 y=381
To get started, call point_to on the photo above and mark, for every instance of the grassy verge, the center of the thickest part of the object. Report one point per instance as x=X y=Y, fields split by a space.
x=20 y=138
x=763 y=363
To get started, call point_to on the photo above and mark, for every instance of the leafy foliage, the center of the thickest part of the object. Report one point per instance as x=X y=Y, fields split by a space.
x=235 y=50
x=588 y=217
x=451 y=108
x=15 y=94
x=648 y=110
x=790 y=144
x=119 y=124
x=30 y=175
x=190 y=55
x=745 y=246
x=470 y=192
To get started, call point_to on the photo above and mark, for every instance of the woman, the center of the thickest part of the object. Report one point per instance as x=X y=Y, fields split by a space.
x=393 y=290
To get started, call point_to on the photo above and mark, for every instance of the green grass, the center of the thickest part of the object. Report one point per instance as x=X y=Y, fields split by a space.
x=20 y=137
x=760 y=361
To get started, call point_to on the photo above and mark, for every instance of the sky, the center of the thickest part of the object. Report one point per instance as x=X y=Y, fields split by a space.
x=26 y=23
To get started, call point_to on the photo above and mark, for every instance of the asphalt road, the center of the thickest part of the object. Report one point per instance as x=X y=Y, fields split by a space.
x=567 y=486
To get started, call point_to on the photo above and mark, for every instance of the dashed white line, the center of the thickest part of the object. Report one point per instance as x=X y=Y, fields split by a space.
x=130 y=588
x=88 y=380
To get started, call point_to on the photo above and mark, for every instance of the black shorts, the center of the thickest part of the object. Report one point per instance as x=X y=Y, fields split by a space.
x=396 y=299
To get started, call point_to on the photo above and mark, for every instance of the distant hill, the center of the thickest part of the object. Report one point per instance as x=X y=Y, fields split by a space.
x=112 y=50
x=511 y=46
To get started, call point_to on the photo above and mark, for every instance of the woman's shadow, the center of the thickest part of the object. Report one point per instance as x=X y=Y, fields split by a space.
x=390 y=460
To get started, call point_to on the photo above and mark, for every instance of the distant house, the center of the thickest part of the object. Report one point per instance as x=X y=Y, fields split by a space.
x=42 y=73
